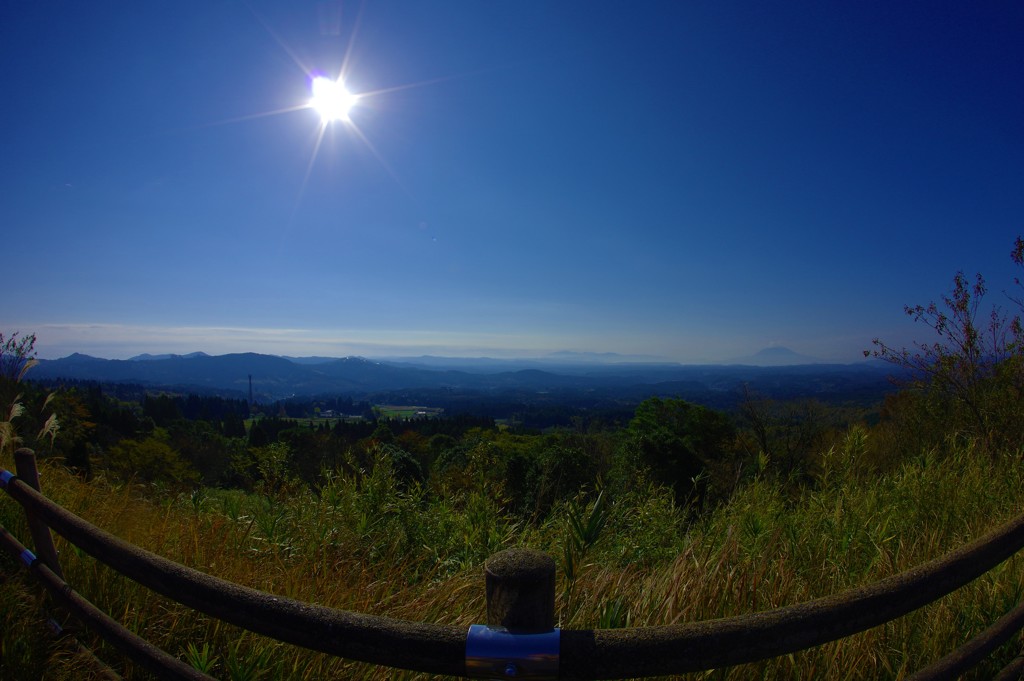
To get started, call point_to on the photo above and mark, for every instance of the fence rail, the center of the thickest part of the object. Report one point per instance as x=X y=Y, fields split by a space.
x=138 y=649
x=514 y=597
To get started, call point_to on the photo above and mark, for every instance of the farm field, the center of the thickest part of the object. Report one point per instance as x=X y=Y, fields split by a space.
x=394 y=411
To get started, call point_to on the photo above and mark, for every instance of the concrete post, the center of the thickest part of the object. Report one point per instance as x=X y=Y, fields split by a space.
x=25 y=466
x=520 y=587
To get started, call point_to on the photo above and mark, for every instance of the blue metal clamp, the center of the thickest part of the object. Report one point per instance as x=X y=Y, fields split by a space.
x=494 y=653
x=28 y=558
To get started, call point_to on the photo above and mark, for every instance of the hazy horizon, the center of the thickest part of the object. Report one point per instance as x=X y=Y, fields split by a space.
x=189 y=343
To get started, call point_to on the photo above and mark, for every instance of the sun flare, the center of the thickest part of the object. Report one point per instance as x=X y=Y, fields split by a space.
x=331 y=100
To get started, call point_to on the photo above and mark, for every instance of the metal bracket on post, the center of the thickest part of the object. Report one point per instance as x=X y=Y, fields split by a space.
x=494 y=653
x=520 y=640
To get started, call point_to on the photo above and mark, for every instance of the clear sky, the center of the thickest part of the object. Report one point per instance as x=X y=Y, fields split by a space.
x=690 y=180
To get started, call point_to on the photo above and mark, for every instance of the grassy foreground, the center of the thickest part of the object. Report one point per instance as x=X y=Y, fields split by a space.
x=368 y=544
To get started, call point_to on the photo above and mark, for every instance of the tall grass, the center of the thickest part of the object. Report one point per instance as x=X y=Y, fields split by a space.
x=366 y=542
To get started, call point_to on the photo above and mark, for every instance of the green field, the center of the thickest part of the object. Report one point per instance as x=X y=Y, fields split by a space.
x=392 y=411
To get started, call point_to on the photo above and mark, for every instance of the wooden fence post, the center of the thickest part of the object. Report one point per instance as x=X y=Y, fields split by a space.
x=25 y=466
x=520 y=587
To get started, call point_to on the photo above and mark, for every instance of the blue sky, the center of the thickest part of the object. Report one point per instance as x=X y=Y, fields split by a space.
x=693 y=180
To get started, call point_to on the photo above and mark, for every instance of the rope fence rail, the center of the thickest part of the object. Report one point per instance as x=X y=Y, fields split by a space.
x=519 y=639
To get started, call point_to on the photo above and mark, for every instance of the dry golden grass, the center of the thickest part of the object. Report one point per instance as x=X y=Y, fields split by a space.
x=766 y=548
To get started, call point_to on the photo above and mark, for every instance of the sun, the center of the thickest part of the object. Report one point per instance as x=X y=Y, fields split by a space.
x=331 y=100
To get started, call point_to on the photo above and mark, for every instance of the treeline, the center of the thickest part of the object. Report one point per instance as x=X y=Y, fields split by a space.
x=701 y=455
x=541 y=456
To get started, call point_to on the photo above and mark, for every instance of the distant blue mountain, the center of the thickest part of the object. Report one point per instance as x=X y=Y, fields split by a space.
x=558 y=362
x=567 y=356
x=146 y=356
x=775 y=356
x=276 y=377
x=311 y=360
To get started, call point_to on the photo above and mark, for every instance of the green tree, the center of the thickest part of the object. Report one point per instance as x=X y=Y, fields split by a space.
x=784 y=438
x=150 y=460
x=77 y=429
x=205 y=449
x=676 y=440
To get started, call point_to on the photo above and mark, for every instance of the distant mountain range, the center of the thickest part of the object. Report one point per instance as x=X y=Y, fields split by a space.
x=775 y=356
x=146 y=356
x=275 y=378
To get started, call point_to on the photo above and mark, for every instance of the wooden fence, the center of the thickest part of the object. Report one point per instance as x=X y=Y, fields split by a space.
x=519 y=639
